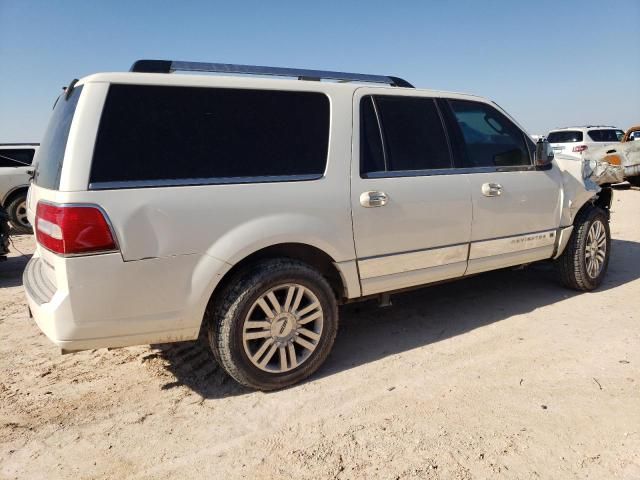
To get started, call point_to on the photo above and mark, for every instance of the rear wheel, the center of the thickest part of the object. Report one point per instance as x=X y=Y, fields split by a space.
x=274 y=325
x=584 y=262
x=17 y=210
x=635 y=181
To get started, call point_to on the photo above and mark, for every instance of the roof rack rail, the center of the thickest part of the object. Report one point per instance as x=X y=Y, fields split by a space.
x=24 y=144
x=169 y=66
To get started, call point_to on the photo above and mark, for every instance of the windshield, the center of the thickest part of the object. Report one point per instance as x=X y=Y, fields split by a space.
x=51 y=153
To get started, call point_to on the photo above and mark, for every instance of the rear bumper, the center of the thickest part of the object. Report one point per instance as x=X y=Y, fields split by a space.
x=101 y=301
x=48 y=307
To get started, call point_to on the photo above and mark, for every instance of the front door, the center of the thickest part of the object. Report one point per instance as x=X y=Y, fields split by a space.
x=411 y=212
x=516 y=206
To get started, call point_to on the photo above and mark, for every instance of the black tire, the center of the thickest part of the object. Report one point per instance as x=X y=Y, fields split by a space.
x=17 y=210
x=635 y=181
x=227 y=313
x=572 y=264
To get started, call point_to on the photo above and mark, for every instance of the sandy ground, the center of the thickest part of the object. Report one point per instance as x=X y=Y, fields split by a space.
x=505 y=375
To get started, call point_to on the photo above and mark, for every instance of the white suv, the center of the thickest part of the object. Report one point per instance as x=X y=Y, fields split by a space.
x=251 y=207
x=15 y=173
x=574 y=141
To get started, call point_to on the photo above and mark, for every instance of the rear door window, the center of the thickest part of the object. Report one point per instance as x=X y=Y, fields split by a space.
x=604 y=135
x=54 y=142
x=565 y=136
x=402 y=134
x=16 y=157
x=490 y=138
x=185 y=135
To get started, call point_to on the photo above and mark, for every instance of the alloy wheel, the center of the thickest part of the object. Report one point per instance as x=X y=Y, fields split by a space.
x=596 y=249
x=283 y=328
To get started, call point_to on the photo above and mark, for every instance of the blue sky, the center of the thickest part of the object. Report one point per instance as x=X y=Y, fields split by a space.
x=548 y=63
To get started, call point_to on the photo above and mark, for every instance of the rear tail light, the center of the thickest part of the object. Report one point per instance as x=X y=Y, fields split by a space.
x=73 y=229
x=580 y=148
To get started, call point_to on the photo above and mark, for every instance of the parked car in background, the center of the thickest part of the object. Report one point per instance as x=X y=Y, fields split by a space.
x=167 y=205
x=573 y=141
x=4 y=234
x=15 y=173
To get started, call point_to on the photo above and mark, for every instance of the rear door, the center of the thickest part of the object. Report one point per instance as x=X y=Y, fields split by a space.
x=516 y=206
x=411 y=212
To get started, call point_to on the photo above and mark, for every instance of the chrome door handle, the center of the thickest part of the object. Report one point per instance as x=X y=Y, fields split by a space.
x=491 y=189
x=373 y=199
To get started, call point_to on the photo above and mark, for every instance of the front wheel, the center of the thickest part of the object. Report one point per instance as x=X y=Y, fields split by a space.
x=274 y=325
x=584 y=262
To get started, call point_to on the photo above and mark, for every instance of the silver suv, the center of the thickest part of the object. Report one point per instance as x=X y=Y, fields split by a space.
x=249 y=208
x=15 y=173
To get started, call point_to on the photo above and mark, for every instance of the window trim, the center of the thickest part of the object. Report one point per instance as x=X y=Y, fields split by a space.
x=194 y=182
x=451 y=171
x=383 y=144
x=400 y=173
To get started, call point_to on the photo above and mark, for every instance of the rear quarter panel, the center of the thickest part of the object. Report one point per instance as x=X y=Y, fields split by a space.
x=176 y=243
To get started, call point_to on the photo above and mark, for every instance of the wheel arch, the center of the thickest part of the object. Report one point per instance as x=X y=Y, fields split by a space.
x=602 y=199
x=336 y=275
x=309 y=254
x=13 y=193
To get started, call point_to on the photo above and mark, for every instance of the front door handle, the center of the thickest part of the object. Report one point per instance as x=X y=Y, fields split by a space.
x=491 y=189
x=373 y=199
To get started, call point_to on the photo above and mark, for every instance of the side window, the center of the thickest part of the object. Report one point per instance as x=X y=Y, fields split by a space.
x=490 y=138
x=165 y=133
x=413 y=134
x=16 y=158
x=604 y=135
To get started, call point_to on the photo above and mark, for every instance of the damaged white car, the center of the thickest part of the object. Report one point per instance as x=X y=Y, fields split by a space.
x=622 y=159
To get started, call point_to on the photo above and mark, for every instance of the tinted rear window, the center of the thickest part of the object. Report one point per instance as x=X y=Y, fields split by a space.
x=566 y=136
x=413 y=134
x=604 y=135
x=51 y=152
x=18 y=157
x=151 y=133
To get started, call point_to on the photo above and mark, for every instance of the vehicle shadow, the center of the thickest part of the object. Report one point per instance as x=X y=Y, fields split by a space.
x=417 y=318
x=11 y=270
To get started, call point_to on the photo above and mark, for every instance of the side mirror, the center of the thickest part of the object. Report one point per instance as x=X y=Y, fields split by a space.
x=544 y=153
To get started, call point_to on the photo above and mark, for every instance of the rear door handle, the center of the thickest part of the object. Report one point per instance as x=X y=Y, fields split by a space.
x=491 y=189
x=373 y=199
